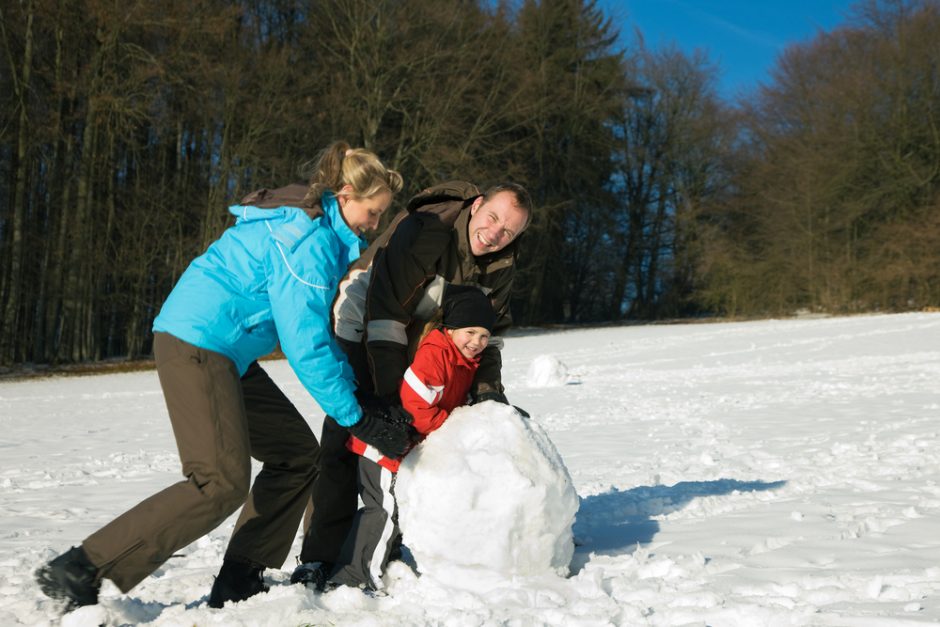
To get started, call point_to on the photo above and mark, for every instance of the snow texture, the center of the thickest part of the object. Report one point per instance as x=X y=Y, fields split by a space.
x=780 y=472
x=486 y=498
x=547 y=371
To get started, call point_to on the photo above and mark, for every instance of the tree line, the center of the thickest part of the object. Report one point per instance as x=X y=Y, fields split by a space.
x=127 y=128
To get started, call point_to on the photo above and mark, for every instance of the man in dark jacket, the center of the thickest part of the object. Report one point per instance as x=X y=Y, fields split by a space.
x=450 y=233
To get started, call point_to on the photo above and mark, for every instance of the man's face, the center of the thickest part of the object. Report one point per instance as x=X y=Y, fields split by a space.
x=494 y=224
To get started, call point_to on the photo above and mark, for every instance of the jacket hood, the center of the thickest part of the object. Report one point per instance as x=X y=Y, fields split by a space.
x=294 y=231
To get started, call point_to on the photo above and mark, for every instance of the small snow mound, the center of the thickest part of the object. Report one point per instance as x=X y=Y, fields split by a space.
x=87 y=615
x=487 y=491
x=547 y=371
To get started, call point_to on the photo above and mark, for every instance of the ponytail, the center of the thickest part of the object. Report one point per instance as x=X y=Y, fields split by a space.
x=339 y=165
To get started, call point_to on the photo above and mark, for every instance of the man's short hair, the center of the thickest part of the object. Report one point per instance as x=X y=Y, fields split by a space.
x=520 y=196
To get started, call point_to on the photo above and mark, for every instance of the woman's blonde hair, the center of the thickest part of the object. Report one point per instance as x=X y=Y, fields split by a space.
x=339 y=165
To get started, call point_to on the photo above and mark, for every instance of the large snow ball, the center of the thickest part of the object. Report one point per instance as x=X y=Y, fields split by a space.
x=487 y=490
x=547 y=371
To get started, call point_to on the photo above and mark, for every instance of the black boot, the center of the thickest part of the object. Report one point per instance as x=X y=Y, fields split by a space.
x=71 y=577
x=396 y=554
x=236 y=581
x=312 y=574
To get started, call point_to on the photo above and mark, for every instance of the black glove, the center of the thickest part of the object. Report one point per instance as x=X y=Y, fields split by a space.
x=371 y=402
x=490 y=395
x=400 y=415
x=386 y=428
x=389 y=405
x=499 y=397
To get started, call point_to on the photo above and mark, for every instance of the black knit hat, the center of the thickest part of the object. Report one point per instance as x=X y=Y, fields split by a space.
x=467 y=306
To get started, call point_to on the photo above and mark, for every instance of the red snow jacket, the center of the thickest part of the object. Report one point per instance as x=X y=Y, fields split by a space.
x=436 y=383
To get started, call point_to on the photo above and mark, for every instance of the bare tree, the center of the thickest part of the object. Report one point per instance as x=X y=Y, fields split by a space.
x=844 y=158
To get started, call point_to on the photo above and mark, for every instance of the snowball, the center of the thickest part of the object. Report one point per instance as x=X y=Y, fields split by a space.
x=487 y=492
x=84 y=616
x=547 y=371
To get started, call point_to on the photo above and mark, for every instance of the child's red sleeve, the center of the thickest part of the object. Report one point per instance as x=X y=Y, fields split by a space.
x=423 y=387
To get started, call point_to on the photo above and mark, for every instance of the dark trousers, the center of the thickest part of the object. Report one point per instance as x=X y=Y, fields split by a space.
x=374 y=534
x=220 y=421
x=335 y=490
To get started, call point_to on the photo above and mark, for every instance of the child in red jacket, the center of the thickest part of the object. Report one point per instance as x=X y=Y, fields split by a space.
x=438 y=381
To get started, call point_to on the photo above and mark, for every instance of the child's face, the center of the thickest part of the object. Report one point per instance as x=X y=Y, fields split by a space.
x=470 y=341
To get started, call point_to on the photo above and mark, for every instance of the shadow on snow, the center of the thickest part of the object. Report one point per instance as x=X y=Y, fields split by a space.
x=618 y=520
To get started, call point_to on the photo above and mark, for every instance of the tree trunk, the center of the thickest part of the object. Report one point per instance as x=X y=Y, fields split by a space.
x=59 y=181
x=9 y=335
x=75 y=292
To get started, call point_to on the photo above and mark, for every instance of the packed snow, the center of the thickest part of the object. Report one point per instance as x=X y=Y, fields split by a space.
x=546 y=371
x=487 y=497
x=782 y=472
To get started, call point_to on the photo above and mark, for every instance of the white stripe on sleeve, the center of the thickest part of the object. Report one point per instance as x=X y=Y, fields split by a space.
x=431 y=394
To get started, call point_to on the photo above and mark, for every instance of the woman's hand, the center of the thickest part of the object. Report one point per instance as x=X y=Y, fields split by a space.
x=386 y=427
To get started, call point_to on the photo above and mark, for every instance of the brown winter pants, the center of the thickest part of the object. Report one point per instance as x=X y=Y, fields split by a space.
x=220 y=421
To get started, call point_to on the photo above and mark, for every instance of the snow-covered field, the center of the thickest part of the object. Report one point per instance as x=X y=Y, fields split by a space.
x=753 y=473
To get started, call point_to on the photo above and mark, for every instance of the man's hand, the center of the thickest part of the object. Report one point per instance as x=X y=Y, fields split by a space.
x=490 y=395
x=499 y=397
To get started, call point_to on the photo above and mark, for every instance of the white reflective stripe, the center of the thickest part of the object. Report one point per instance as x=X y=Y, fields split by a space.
x=350 y=306
x=381 y=549
x=372 y=453
x=387 y=330
x=287 y=263
x=430 y=394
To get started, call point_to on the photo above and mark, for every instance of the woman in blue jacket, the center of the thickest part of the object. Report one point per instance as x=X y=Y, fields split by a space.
x=268 y=280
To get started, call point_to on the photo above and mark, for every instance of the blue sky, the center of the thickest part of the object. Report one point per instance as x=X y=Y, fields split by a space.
x=742 y=37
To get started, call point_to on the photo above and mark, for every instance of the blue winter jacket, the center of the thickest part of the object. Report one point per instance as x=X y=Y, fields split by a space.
x=272 y=277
